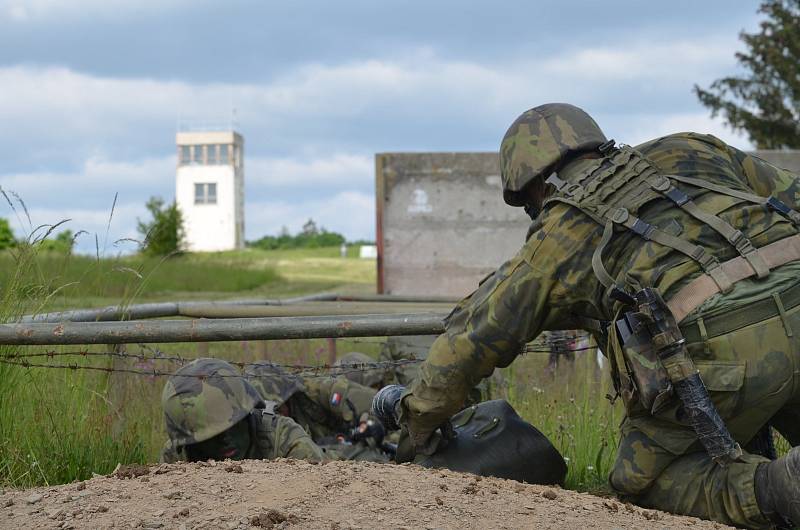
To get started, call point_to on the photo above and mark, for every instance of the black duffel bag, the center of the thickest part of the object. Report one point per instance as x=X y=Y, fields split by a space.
x=492 y=440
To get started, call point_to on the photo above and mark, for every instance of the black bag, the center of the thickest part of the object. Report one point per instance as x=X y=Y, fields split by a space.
x=492 y=440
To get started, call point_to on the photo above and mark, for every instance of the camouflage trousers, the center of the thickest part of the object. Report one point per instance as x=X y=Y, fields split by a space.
x=752 y=376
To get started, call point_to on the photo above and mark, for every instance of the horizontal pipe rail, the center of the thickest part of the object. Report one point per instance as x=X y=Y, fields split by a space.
x=234 y=329
x=218 y=309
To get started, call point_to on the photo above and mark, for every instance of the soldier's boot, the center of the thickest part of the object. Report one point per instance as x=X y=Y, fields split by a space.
x=777 y=486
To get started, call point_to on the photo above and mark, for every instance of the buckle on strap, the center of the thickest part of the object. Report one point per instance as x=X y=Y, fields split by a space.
x=555 y=181
x=676 y=196
x=783 y=209
x=606 y=147
x=643 y=229
x=745 y=247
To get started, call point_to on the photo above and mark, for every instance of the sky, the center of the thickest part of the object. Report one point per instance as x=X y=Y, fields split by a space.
x=92 y=92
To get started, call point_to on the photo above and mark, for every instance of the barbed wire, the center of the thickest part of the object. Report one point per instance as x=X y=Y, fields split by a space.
x=304 y=371
x=158 y=355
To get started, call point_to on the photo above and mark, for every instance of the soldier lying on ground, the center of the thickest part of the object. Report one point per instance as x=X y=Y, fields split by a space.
x=336 y=412
x=619 y=230
x=212 y=412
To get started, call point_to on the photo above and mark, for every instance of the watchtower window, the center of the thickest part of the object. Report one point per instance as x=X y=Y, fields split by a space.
x=211 y=155
x=197 y=154
x=224 y=156
x=184 y=155
x=205 y=193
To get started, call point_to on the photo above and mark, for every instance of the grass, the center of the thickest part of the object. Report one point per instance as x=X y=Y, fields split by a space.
x=570 y=408
x=57 y=426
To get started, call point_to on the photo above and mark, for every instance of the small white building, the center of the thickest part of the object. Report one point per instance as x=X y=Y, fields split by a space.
x=209 y=189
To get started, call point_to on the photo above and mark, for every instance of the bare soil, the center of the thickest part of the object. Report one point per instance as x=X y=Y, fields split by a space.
x=333 y=496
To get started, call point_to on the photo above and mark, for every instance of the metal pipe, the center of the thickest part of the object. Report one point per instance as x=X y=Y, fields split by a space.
x=218 y=309
x=412 y=299
x=157 y=309
x=222 y=310
x=237 y=329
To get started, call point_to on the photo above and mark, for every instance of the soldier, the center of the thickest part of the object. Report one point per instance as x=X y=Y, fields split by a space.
x=684 y=218
x=212 y=412
x=335 y=411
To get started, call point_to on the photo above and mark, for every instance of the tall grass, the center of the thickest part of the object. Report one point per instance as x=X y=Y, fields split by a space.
x=61 y=425
x=128 y=277
x=569 y=407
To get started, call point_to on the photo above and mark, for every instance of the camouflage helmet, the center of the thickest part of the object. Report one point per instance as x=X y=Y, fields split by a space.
x=203 y=399
x=273 y=382
x=362 y=376
x=538 y=139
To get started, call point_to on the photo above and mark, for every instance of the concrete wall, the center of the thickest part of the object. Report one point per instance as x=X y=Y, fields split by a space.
x=442 y=224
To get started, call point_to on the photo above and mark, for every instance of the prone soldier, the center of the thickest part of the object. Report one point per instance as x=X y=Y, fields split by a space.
x=684 y=253
x=335 y=411
x=212 y=412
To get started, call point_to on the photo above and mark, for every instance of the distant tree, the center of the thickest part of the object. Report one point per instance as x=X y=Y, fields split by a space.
x=164 y=233
x=765 y=101
x=310 y=228
x=63 y=242
x=7 y=239
x=318 y=237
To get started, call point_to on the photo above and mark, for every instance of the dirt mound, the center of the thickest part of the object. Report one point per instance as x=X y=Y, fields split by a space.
x=296 y=494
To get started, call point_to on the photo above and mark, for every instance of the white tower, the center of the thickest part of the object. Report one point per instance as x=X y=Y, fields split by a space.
x=209 y=189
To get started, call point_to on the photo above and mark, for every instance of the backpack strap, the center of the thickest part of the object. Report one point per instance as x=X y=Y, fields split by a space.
x=735 y=237
x=770 y=202
x=608 y=217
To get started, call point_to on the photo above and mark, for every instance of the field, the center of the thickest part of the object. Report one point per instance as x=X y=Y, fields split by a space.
x=61 y=425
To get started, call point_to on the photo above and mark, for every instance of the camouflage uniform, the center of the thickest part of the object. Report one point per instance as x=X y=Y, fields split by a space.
x=416 y=347
x=208 y=396
x=326 y=407
x=751 y=372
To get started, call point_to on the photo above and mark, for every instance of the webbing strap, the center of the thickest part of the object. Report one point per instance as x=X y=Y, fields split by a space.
x=771 y=202
x=707 y=262
x=697 y=291
x=595 y=217
x=597 y=258
x=735 y=237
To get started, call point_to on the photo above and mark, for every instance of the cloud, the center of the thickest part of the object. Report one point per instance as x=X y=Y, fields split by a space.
x=338 y=170
x=641 y=128
x=684 y=59
x=421 y=102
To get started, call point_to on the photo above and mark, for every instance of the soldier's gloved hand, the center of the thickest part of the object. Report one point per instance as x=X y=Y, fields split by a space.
x=369 y=427
x=426 y=432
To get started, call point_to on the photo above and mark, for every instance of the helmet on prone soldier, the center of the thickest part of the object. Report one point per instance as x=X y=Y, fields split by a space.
x=204 y=399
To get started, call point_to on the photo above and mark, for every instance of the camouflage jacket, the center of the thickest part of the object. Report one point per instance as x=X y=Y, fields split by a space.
x=276 y=437
x=330 y=405
x=550 y=283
